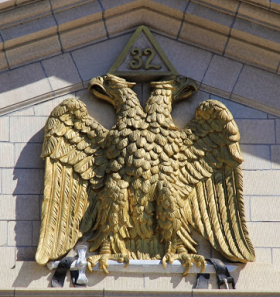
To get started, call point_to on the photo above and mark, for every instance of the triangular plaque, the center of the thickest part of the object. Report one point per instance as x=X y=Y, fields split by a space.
x=142 y=58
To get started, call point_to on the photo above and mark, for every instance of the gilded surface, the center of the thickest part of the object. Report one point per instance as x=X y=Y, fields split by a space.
x=143 y=185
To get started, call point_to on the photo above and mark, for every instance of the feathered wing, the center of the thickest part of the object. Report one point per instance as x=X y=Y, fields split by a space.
x=75 y=167
x=211 y=171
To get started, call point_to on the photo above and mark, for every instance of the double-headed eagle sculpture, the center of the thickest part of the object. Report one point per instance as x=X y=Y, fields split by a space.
x=140 y=187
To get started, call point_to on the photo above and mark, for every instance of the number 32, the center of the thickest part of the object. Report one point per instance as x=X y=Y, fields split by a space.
x=137 y=62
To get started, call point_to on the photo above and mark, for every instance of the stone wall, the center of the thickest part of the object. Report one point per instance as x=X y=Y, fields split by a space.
x=49 y=52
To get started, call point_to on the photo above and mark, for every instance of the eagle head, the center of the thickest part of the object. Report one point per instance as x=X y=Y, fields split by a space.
x=181 y=87
x=110 y=88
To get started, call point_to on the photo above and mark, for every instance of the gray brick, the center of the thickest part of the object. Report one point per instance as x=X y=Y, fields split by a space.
x=7 y=154
x=265 y=208
x=27 y=129
x=97 y=59
x=222 y=73
x=27 y=155
x=275 y=156
x=264 y=234
x=27 y=207
x=277 y=131
x=3 y=233
x=256 y=157
x=36 y=232
x=19 y=233
x=240 y=111
x=250 y=84
x=22 y=181
x=22 y=83
x=4 y=128
x=25 y=253
x=263 y=182
x=256 y=131
x=61 y=71
x=187 y=60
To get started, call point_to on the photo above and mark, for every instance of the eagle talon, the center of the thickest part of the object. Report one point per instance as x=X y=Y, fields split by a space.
x=103 y=261
x=186 y=260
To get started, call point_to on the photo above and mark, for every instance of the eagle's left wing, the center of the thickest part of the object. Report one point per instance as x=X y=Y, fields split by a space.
x=210 y=169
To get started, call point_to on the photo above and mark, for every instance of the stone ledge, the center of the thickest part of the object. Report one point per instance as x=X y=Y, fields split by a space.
x=75 y=292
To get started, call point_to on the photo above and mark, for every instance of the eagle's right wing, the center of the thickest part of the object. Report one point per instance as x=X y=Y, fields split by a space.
x=75 y=168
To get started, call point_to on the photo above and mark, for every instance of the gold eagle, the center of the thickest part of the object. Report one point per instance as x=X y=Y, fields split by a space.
x=141 y=186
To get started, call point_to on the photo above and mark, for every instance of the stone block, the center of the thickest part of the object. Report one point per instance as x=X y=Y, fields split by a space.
x=247 y=205
x=265 y=208
x=45 y=108
x=4 y=128
x=131 y=19
x=251 y=54
x=25 y=253
x=264 y=234
x=173 y=8
x=3 y=62
x=202 y=37
x=263 y=255
x=29 y=111
x=275 y=156
x=4 y=4
x=63 y=4
x=78 y=15
x=29 y=31
x=229 y=5
x=256 y=33
x=256 y=157
x=3 y=233
x=222 y=73
x=276 y=258
x=19 y=233
x=27 y=155
x=21 y=13
x=61 y=71
x=22 y=83
x=35 y=232
x=34 y=51
x=83 y=35
x=7 y=154
x=187 y=60
x=21 y=207
x=97 y=59
x=250 y=85
x=256 y=131
x=263 y=16
x=27 y=129
x=263 y=182
x=240 y=111
x=22 y=181
x=8 y=261
x=209 y=18
x=277 y=121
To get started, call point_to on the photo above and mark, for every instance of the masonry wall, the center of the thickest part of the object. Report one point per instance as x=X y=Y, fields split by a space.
x=34 y=79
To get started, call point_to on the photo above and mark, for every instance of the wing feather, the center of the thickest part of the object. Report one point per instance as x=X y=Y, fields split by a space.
x=70 y=180
x=215 y=176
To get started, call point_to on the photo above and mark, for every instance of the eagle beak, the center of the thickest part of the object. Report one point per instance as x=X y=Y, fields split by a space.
x=96 y=85
x=187 y=87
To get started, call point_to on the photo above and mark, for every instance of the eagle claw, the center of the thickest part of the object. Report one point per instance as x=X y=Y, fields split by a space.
x=103 y=261
x=186 y=260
